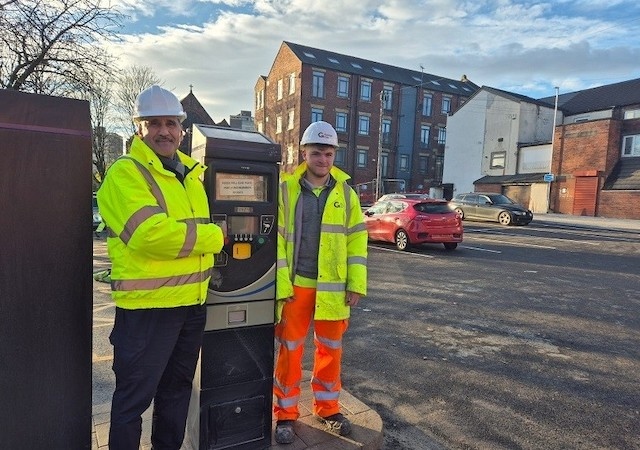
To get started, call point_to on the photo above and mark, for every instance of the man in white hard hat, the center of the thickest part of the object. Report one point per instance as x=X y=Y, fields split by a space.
x=321 y=274
x=161 y=245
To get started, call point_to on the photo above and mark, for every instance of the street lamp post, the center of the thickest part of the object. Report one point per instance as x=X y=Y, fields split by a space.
x=383 y=99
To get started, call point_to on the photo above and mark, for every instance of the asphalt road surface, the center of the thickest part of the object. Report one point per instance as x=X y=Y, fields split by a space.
x=522 y=338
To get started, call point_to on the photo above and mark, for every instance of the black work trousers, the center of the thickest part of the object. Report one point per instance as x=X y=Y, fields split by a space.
x=155 y=352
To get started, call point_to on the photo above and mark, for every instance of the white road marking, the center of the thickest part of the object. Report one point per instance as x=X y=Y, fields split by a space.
x=480 y=249
x=401 y=251
x=520 y=244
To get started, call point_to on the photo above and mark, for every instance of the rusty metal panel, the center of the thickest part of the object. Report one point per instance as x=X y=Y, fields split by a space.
x=45 y=272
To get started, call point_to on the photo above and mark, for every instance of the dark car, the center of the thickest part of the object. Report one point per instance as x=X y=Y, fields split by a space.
x=492 y=207
x=97 y=218
x=405 y=222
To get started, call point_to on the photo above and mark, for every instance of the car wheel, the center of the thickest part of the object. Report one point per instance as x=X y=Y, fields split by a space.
x=450 y=245
x=402 y=240
x=459 y=212
x=504 y=218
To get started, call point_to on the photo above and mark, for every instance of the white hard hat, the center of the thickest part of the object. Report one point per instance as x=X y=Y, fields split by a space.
x=320 y=133
x=156 y=101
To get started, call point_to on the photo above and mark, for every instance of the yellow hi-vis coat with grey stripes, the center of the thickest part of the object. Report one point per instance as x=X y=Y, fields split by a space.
x=160 y=241
x=342 y=256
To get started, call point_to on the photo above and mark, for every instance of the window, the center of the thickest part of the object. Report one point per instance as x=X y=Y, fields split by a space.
x=341 y=157
x=343 y=86
x=423 y=163
x=291 y=120
x=387 y=98
x=446 y=105
x=386 y=131
x=442 y=135
x=292 y=83
x=316 y=114
x=385 y=164
x=341 y=122
x=260 y=127
x=317 y=88
x=404 y=163
x=365 y=90
x=632 y=114
x=260 y=99
x=425 y=130
x=278 y=124
x=498 y=160
x=280 y=88
x=631 y=145
x=291 y=156
x=362 y=158
x=427 y=100
x=363 y=125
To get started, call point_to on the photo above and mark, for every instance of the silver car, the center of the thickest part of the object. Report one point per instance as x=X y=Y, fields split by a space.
x=492 y=207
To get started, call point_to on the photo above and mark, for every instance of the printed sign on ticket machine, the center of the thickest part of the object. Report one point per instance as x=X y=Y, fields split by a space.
x=237 y=352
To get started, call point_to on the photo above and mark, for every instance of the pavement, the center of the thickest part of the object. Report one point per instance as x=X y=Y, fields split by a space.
x=367 y=433
x=605 y=223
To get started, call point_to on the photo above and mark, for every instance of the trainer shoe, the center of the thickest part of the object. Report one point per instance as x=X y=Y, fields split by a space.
x=284 y=433
x=337 y=423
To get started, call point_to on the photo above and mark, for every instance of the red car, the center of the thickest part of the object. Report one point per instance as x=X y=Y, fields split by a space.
x=405 y=222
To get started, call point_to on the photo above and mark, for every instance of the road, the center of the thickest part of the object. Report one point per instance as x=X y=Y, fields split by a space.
x=522 y=338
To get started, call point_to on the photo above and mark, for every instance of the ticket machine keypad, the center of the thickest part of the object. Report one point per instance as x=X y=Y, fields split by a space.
x=241 y=245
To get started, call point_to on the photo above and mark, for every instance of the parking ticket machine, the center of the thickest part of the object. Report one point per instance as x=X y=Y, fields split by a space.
x=236 y=366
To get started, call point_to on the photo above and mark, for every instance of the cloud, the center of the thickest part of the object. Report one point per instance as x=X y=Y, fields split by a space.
x=525 y=47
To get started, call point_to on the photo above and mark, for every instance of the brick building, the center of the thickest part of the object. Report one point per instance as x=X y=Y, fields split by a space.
x=596 y=152
x=376 y=108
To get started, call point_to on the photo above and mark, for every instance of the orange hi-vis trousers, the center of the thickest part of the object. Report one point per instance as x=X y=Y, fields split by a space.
x=291 y=332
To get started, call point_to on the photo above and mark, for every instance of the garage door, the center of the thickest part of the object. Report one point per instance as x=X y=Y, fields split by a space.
x=584 y=200
x=519 y=194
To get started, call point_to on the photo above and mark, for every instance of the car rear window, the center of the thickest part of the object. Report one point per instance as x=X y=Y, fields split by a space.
x=433 y=208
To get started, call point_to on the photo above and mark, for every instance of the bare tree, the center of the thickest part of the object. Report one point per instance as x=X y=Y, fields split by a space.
x=51 y=47
x=131 y=81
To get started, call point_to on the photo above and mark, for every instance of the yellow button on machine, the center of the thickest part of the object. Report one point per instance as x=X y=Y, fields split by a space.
x=241 y=250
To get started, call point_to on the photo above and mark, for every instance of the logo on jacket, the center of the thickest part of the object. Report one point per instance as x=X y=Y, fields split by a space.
x=337 y=205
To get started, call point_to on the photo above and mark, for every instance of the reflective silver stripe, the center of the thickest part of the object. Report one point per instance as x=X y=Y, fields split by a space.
x=285 y=389
x=291 y=345
x=287 y=402
x=356 y=228
x=332 y=287
x=157 y=283
x=189 y=240
x=111 y=233
x=136 y=220
x=347 y=200
x=281 y=263
x=281 y=231
x=357 y=260
x=285 y=204
x=328 y=228
x=323 y=395
x=331 y=386
x=155 y=188
x=331 y=343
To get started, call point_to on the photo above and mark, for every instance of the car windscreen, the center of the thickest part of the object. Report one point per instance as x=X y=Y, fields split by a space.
x=432 y=208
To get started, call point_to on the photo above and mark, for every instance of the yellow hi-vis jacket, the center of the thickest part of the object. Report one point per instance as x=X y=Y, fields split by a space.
x=342 y=256
x=160 y=241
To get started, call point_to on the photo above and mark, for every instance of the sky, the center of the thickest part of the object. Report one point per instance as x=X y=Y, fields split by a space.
x=221 y=47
